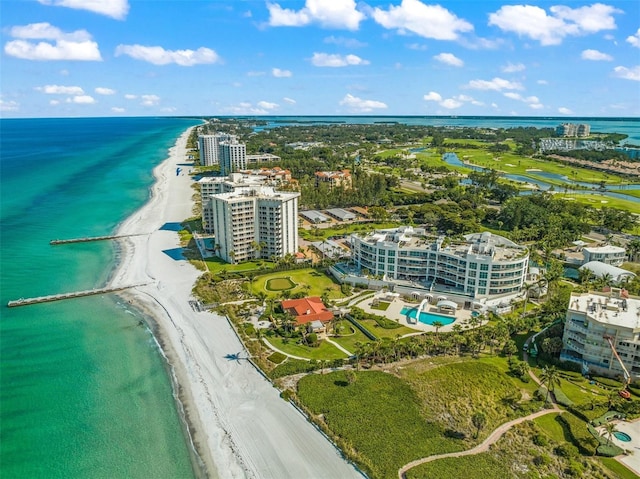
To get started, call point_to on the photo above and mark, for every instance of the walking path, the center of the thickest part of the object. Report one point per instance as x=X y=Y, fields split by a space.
x=484 y=445
x=273 y=348
x=492 y=438
x=339 y=347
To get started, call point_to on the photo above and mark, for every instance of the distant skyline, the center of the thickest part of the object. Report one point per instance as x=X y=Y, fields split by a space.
x=92 y=58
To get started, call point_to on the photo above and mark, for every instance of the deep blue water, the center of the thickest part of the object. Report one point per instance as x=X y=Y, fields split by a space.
x=84 y=389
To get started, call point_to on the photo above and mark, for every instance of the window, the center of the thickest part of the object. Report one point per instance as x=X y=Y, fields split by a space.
x=473 y=265
x=484 y=267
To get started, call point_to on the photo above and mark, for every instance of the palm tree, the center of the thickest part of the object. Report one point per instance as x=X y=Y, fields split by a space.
x=527 y=288
x=610 y=430
x=437 y=325
x=585 y=275
x=550 y=377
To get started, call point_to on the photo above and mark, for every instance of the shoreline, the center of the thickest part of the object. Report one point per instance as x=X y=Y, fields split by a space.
x=237 y=424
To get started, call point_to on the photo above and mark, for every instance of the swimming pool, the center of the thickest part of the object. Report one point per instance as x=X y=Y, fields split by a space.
x=427 y=318
x=622 y=436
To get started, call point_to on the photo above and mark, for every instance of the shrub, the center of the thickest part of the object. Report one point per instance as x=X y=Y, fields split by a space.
x=561 y=397
x=277 y=358
x=609 y=450
x=566 y=450
x=580 y=435
x=540 y=440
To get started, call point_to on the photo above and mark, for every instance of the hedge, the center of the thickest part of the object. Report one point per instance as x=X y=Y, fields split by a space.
x=561 y=397
x=609 y=450
x=580 y=435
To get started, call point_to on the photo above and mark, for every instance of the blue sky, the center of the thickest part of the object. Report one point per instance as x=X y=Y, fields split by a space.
x=84 y=58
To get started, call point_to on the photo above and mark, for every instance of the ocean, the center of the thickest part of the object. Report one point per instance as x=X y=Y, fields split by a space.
x=84 y=388
x=84 y=391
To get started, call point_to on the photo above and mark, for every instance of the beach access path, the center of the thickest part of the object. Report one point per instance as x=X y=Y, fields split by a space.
x=239 y=425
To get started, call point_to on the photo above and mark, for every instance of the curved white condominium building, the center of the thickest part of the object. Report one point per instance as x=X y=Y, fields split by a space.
x=483 y=265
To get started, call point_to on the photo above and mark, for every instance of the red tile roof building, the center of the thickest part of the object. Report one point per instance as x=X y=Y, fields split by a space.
x=306 y=310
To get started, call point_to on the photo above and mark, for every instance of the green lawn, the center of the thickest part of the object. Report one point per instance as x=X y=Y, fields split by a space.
x=279 y=284
x=601 y=201
x=376 y=330
x=309 y=281
x=502 y=365
x=350 y=336
x=324 y=351
x=553 y=428
x=619 y=471
x=381 y=306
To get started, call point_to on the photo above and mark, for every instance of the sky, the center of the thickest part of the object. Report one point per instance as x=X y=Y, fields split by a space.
x=94 y=58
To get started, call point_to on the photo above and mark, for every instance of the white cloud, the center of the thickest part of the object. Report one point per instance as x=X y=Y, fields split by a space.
x=432 y=96
x=169 y=109
x=449 y=59
x=129 y=96
x=291 y=101
x=550 y=29
x=104 y=91
x=117 y=109
x=9 y=105
x=81 y=99
x=428 y=21
x=149 y=100
x=326 y=13
x=276 y=72
x=417 y=46
x=60 y=90
x=268 y=105
x=513 y=67
x=117 y=9
x=497 y=84
x=245 y=108
x=532 y=101
x=565 y=111
x=335 y=60
x=542 y=82
x=345 y=42
x=595 y=55
x=359 y=105
x=450 y=103
x=627 y=73
x=56 y=44
x=634 y=39
x=54 y=102
x=160 y=56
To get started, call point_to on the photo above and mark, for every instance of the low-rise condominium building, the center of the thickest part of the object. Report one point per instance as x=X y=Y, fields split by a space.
x=482 y=266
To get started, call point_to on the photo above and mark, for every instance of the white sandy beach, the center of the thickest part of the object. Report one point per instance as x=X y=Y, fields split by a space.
x=240 y=425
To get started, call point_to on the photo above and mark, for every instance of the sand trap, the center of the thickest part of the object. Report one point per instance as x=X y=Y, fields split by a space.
x=509 y=164
x=604 y=201
x=239 y=425
x=533 y=169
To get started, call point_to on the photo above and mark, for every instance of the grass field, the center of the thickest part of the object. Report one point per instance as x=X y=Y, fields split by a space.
x=376 y=330
x=279 y=284
x=309 y=281
x=324 y=351
x=378 y=417
x=389 y=421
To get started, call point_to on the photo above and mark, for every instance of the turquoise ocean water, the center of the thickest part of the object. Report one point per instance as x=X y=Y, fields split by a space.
x=84 y=389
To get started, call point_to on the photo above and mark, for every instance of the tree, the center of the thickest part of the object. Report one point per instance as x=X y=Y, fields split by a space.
x=479 y=421
x=550 y=377
x=350 y=376
x=610 y=430
x=510 y=348
x=437 y=325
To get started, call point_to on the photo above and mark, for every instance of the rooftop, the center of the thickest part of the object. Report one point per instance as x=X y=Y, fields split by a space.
x=307 y=310
x=608 y=308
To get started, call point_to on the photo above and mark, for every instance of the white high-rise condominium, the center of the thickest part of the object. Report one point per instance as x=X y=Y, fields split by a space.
x=209 y=146
x=255 y=222
x=232 y=156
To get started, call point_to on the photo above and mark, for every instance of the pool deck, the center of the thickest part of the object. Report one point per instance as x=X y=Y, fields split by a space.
x=631 y=460
x=393 y=312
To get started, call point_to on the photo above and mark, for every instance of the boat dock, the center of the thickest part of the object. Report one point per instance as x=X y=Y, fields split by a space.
x=76 y=294
x=90 y=238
